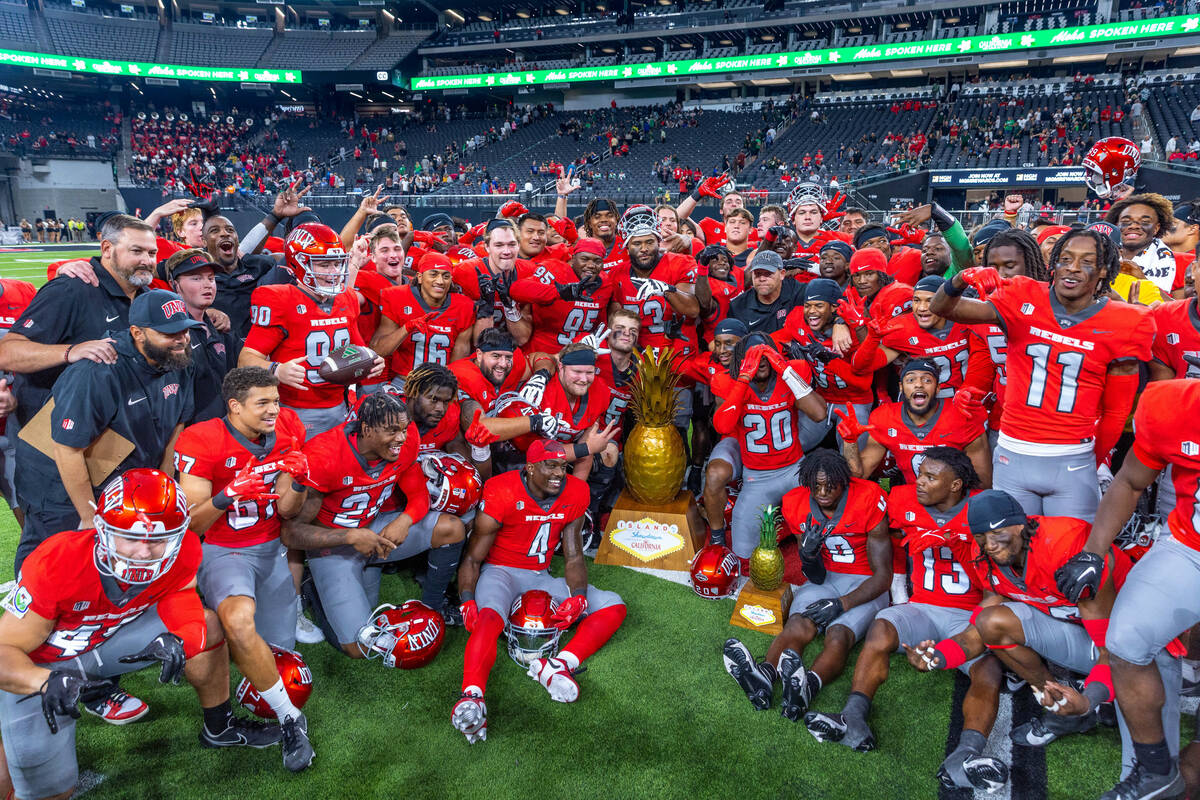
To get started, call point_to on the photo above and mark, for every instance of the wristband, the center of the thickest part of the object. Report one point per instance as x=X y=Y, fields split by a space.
x=466 y=596
x=562 y=197
x=270 y=221
x=951 y=653
x=67 y=354
x=941 y=217
x=800 y=389
x=274 y=365
x=221 y=500
x=695 y=195
x=951 y=290
x=480 y=453
x=581 y=451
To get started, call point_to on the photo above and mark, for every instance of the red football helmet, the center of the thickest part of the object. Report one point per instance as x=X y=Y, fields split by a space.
x=143 y=505
x=297 y=680
x=315 y=255
x=454 y=484
x=715 y=572
x=511 y=405
x=1111 y=162
x=407 y=637
x=638 y=220
x=530 y=631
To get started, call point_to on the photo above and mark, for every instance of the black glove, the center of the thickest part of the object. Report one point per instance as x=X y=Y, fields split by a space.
x=798 y=263
x=1193 y=360
x=1079 y=578
x=503 y=283
x=813 y=351
x=62 y=692
x=824 y=612
x=487 y=291
x=673 y=329
x=207 y=205
x=167 y=648
x=812 y=537
x=579 y=291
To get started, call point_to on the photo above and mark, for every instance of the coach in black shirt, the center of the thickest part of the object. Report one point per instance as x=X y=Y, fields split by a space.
x=772 y=294
x=237 y=275
x=145 y=395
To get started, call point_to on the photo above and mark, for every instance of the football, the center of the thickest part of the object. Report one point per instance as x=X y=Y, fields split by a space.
x=347 y=364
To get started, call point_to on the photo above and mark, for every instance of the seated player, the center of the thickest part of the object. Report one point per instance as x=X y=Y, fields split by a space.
x=94 y=604
x=846 y=554
x=431 y=392
x=724 y=464
x=523 y=517
x=354 y=471
x=237 y=472
x=941 y=605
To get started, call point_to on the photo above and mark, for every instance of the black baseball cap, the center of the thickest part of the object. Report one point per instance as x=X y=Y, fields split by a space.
x=822 y=290
x=191 y=264
x=437 y=220
x=993 y=509
x=921 y=365
x=767 y=261
x=161 y=310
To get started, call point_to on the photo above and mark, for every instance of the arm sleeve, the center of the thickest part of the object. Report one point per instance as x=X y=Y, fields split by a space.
x=250 y=242
x=725 y=418
x=530 y=290
x=1115 y=405
x=961 y=255
x=867 y=354
x=267 y=336
x=981 y=370
x=183 y=615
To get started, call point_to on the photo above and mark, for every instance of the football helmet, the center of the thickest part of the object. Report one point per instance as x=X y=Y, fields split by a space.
x=715 y=572
x=806 y=194
x=407 y=637
x=142 y=505
x=453 y=482
x=510 y=405
x=297 y=680
x=1112 y=161
x=639 y=220
x=314 y=254
x=530 y=631
x=1141 y=531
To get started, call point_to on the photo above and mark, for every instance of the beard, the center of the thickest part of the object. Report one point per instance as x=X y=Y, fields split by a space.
x=165 y=358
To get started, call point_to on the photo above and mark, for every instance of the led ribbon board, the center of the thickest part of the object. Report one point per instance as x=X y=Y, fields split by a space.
x=141 y=69
x=838 y=56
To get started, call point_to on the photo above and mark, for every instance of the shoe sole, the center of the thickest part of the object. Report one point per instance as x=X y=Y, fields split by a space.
x=824 y=731
x=462 y=727
x=204 y=740
x=125 y=721
x=737 y=669
x=789 y=708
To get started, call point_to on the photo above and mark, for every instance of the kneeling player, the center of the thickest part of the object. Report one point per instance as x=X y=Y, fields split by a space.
x=523 y=516
x=847 y=558
x=94 y=604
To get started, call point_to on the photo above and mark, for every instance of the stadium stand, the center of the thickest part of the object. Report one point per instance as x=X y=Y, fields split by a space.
x=316 y=50
x=16 y=30
x=97 y=36
x=216 y=45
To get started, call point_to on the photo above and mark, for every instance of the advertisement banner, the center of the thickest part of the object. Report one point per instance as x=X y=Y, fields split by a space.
x=141 y=69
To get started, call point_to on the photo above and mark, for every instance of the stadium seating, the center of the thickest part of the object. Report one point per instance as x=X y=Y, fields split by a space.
x=316 y=50
x=98 y=36
x=216 y=45
x=16 y=31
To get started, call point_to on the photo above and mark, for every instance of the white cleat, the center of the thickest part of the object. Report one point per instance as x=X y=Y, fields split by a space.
x=469 y=717
x=554 y=674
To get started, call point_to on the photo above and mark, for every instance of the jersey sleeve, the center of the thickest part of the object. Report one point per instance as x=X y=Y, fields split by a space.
x=322 y=465
x=195 y=451
x=531 y=290
x=1139 y=344
x=38 y=588
x=497 y=499
x=795 y=508
x=85 y=402
x=878 y=503
x=269 y=320
x=1007 y=300
x=463 y=311
x=1154 y=423
x=49 y=317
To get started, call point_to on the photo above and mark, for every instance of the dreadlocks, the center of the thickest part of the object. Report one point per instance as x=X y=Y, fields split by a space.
x=379 y=410
x=1108 y=258
x=739 y=350
x=429 y=376
x=959 y=463
x=830 y=462
x=1031 y=253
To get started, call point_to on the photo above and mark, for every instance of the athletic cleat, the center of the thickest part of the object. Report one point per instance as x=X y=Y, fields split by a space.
x=297 y=750
x=740 y=665
x=1041 y=731
x=118 y=708
x=554 y=674
x=469 y=717
x=797 y=686
x=593 y=534
x=851 y=732
x=452 y=616
x=241 y=733
x=306 y=631
x=964 y=769
x=1143 y=785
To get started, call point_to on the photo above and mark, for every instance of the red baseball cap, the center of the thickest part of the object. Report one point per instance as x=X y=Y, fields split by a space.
x=867 y=259
x=544 y=450
x=1051 y=230
x=589 y=245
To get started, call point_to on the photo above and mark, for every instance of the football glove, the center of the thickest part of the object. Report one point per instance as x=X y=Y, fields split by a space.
x=852 y=312
x=476 y=434
x=849 y=428
x=823 y=612
x=487 y=290
x=470 y=613
x=166 y=648
x=596 y=339
x=568 y=611
x=61 y=693
x=812 y=537
x=545 y=425
x=294 y=462
x=907 y=234
x=534 y=388
x=969 y=400
x=749 y=365
x=580 y=290
x=775 y=359
x=651 y=287
x=1079 y=578
x=511 y=209
x=984 y=280
x=246 y=486
x=811 y=351
x=831 y=208
x=711 y=187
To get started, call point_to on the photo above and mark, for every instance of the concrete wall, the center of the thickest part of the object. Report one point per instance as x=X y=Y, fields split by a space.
x=64 y=187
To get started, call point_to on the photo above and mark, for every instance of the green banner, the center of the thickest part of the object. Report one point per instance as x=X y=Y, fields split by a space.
x=838 y=56
x=141 y=69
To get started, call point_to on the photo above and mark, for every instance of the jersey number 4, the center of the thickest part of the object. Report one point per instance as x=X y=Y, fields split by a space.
x=540 y=546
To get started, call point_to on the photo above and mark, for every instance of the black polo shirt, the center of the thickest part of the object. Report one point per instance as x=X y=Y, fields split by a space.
x=67 y=311
x=213 y=355
x=235 y=287
x=761 y=318
x=133 y=398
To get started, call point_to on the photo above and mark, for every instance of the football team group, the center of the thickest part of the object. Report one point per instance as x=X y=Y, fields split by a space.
x=213 y=439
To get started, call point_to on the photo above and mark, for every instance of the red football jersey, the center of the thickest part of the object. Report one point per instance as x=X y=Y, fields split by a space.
x=445 y=431
x=723 y=293
x=455 y=315
x=616 y=257
x=59 y=581
x=1178 y=336
x=215 y=451
x=992 y=336
x=701 y=368
x=473 y=386
x=937 y=578
x=863 y=506
x=1058 y=366
x=529 y=530
x=768 y=430
x=288 y=323
x=812 y=249
x=1165 y=433
x=948 y=347
x=656 y=312
x=467 y=274
x=557 y=322
x=356 y=490
x=15 y=295
x=617 y=386
x=576 y=414
x=901 y=437
x=836 y=380
x=905 y=264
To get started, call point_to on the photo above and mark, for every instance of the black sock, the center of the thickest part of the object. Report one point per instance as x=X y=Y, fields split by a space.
x=971 y=740
x=769 y=670
x=716 y=536
x=857 y=705
x=443 y=564
x=1153 y=757
x=217 y=718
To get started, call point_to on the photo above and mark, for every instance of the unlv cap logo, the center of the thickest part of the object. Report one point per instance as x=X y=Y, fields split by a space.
x=173 y=307
x=170 y=389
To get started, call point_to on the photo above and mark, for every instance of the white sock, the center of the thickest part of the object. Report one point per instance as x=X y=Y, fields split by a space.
x=279 y=701
x=570 y=659
x=473 y=690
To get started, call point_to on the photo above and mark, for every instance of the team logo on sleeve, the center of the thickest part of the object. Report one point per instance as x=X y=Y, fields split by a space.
x=17 y=602
x=910 y=516
x=1027 y=309
x=1172 y=338
x=231 y=462
x=1190 y=448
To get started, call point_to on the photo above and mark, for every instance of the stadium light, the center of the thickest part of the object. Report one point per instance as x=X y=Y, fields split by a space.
x=850 y=76
x=1005 y=64
x=451 y=12
x=1080 y=59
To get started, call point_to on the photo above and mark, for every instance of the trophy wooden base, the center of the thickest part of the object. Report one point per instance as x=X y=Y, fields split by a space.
x=762 y=611
x=662 y=537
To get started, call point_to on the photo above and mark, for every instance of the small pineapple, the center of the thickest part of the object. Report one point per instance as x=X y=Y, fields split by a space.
x=766 y=562
x=655 y=458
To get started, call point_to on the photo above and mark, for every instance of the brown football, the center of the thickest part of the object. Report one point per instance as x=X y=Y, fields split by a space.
x=348 y=364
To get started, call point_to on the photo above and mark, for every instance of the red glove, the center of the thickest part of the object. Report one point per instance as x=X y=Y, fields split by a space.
x=418 y=325
x=919 y=539
x=853 y=312
x=849 y=428
x=879 y=328
x=470 y=612
x=427 y=238
x=476 y=434
x=512 y=209
x=248 y=486
x=750 y=363
x=568 y=611
x=711 y=187
x=775 y=359
x=985 y=280
x=831 y=208
x=565 y=228
x=969 y=400
x=908 y=235
x=294 y=463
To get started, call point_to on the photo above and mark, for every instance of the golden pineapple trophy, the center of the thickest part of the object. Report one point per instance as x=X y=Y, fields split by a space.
x=652 y=522
x=763 y=603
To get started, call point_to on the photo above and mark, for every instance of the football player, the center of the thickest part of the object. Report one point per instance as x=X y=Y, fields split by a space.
x=572 y=304
x=730 y=200
x=1157 y=601
x=724 y=463
x=764 y=396
x=532 y=231
x=834 y=262
x=487 y=280
x=1143 y=219
x=390 y=265
x=903 y=263
x=296 y=326
x=808 y=207
x=1072 y=364
x=941 y=605
x=523 y=517
x=431 y=393
x=424 y=323
x=354 y=470
x=1177 y=339
x=237 y=473
x=91 y=605
x=874 y=293
x=718 y=281
x=846 y=553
